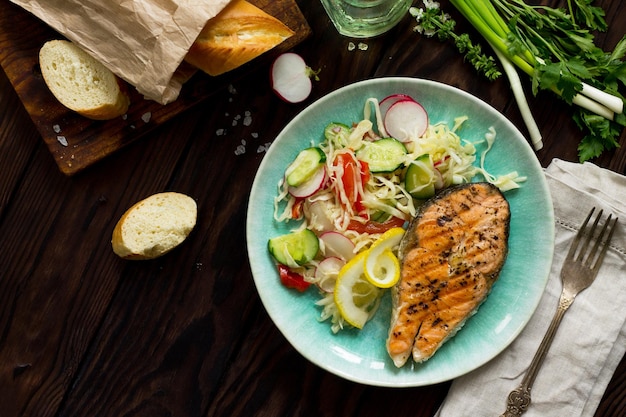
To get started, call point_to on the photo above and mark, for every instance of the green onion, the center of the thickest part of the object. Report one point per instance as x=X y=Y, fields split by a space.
x=555 y=48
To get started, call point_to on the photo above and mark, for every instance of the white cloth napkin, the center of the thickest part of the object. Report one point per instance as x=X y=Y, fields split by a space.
x=591 y=340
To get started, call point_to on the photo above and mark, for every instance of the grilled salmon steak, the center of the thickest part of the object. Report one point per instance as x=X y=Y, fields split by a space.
x=451 y=256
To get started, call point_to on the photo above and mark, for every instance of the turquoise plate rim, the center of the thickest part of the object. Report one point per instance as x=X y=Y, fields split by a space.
x=360 y=356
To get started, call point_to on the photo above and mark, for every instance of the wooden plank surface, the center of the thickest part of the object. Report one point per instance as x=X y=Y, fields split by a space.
x=77 y=142
x=84 y=333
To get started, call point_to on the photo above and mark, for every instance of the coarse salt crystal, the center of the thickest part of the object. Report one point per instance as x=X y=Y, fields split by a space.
x=241 y=149
x=263 y=148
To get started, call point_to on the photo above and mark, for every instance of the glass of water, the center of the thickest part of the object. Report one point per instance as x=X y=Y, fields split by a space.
x=365 y=18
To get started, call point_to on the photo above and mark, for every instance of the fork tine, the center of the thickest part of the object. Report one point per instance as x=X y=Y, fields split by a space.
x=592 y=254
x=596 y=266
x=579 y=235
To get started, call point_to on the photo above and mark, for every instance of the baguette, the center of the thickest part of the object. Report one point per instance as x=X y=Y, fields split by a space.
x=154 y=226
x=80 y=82
x=236 y=35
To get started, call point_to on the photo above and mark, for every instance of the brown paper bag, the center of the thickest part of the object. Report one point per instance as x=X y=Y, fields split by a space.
x=141 y=41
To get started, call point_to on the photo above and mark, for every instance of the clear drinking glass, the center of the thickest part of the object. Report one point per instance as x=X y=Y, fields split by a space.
x=365 y=18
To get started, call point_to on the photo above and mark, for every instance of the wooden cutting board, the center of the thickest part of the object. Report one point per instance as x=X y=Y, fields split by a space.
x=77 y=142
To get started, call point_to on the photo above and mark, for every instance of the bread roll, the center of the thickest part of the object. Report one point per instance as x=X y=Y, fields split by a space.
x=80 y=82
x=154 y=226
x=238 y=34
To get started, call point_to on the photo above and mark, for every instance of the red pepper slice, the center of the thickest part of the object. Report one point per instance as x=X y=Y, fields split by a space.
x=292 y=279
x=353 y=173
x=296 y=209
x=375 y=227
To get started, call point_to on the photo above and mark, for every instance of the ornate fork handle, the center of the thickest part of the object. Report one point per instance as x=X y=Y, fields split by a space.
x=519 y=399
x=577 y=273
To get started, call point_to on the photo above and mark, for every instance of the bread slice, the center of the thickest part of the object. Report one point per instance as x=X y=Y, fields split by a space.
x=154 y=226
x=236 y=35
x=80 y=82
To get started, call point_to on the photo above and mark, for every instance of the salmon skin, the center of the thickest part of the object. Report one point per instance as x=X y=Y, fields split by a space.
x=451 y=255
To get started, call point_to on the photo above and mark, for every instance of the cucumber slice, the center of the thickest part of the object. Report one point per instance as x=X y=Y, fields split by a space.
x=383 y=155
x=420 y=178
x=304 y=166
x=337 y=133
x=294 y=249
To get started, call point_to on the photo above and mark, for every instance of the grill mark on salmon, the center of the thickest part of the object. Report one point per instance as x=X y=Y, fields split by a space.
x=451 y=256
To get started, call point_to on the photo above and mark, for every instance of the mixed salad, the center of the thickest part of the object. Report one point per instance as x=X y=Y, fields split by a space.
x=350 y=196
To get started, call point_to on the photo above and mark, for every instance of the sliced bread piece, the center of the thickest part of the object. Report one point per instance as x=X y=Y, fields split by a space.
x=236 y=35
x=154 y=226
x=80 y=82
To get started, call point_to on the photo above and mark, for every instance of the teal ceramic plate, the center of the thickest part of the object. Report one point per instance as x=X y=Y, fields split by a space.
x=360 y=356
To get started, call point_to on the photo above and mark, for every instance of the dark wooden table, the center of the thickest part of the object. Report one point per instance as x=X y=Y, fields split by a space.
x=84 y=333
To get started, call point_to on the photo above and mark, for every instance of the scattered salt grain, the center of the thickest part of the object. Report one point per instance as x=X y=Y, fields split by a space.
x=361 y=46
x=254 y=135
x=56 y=128
x=146 y=117
x=263 y=148
x=247 y=120
x=241 y=149
x=220 y=132
x=62 y=140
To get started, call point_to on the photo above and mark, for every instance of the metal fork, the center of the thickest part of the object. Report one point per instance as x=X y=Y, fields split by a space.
x=578 y=272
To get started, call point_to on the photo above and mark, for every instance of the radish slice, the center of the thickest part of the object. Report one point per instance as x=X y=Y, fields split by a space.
x=326 y=273
x=290 y=77
x=438 y=180
x=336 y=244
x=317 y=213
x=311 y=185
x=389 y=101
x=406 y=119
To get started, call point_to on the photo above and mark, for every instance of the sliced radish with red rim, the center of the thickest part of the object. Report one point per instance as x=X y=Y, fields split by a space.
x=389 y=101
x=406 y=119
x=326 y=273
x=338 y=245
x=291 y=78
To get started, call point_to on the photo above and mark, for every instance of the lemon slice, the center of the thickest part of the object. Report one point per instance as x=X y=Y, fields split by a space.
x=382 y=267
x=385 y=271
x=354 y=295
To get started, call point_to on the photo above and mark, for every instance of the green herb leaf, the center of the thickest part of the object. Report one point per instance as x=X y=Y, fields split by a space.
x=590 y=16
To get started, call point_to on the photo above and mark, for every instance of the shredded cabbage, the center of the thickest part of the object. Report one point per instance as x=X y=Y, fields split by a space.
x=383 y=195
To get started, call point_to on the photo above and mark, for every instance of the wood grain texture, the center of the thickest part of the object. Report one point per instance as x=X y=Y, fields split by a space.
x=89 y=141
x=84 y=333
